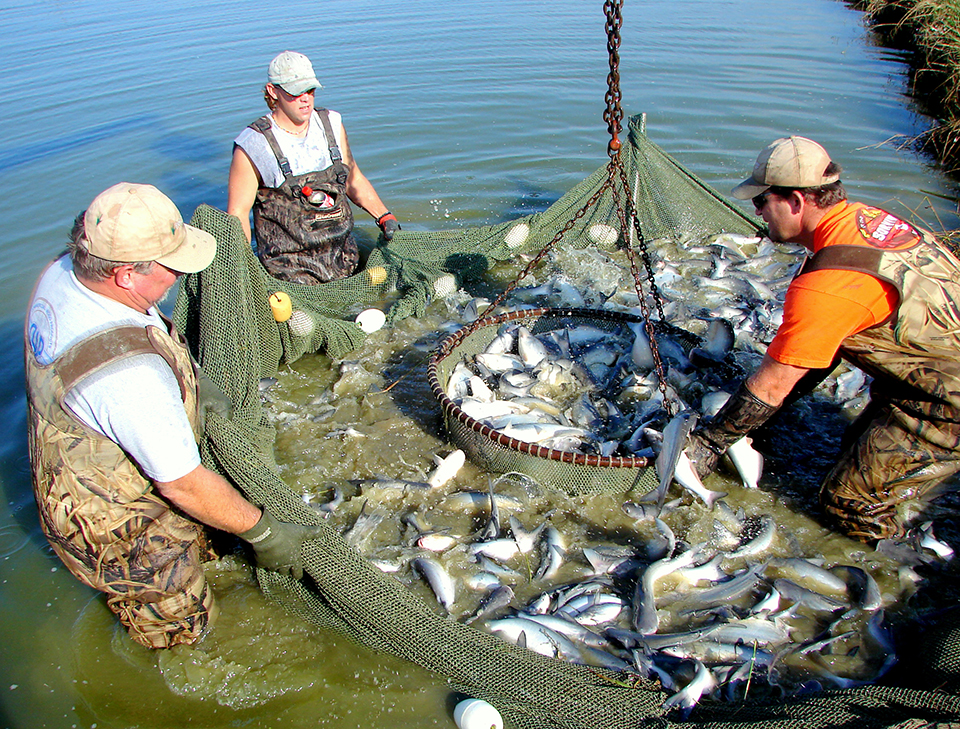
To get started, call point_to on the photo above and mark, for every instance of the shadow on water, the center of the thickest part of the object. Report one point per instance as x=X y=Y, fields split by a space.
x=14 y=459
x=51 y=149
x=531 y=199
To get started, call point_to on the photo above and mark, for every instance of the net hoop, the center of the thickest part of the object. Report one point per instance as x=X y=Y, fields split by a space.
x=452 y=411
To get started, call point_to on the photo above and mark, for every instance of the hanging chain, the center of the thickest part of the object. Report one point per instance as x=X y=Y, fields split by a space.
x=627 y=213
x=625 y=207
x=613 y=114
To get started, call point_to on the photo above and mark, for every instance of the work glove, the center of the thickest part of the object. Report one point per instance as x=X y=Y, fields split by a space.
x=743 y=412
x=277 y=544
x=211 y=398
x=388 y=224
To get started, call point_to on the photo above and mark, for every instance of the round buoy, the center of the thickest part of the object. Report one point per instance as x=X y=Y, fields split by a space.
x=377 y=274
x=370 y=320
x=603 y=234
x=280 y=305
x=477 y=714
x=444 y=286
x=301 y=323
x=517 y=235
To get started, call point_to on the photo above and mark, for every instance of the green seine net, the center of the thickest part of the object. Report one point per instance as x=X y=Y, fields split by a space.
x=225 y=315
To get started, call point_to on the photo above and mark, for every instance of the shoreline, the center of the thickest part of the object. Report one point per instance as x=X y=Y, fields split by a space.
x=930 y=31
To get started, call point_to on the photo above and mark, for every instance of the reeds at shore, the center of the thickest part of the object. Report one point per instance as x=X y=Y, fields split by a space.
x=930 y=29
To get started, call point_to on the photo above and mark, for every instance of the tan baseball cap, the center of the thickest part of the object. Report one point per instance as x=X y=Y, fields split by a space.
x=788 y=162
x=293 y=72
x=129 y=222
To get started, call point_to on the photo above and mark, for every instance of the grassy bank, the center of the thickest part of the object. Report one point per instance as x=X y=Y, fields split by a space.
x=930 y=30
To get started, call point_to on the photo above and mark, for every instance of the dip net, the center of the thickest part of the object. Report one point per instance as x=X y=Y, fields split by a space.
x=225 y=315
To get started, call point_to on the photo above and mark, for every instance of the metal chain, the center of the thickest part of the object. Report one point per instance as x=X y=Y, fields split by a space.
x=613 y=114
x=625 y=208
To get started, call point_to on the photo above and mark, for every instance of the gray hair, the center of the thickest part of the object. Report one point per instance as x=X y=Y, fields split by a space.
x=86 y=265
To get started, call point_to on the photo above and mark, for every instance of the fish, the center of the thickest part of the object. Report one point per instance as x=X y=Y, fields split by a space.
x=499 y=598
x=685 y=475
x=552 y=554
x=645 y=620
x=439 y=580
x=766 y=530
x=687 y=697
x=447 y=468
x=747 y=461
x=674 y=441
x=364 y=526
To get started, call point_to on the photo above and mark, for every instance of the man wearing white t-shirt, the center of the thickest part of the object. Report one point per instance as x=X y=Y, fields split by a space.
x=116 y=406
x=293 y=167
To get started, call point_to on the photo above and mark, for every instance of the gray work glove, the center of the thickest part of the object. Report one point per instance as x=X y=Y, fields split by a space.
x=743 y=412
x=211 y=398
x=388 y=224
x=277 y=544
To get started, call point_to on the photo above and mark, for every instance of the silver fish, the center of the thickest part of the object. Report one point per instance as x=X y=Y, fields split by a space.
x=438 y=578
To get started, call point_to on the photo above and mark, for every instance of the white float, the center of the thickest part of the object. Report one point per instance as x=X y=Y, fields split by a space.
x=370 y=320
x=517 y=235
x=300 y=323
x=477 y=714
x=603 y=234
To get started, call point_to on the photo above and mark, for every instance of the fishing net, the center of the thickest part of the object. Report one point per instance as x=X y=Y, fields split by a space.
x=225 y=315
x=495 y=451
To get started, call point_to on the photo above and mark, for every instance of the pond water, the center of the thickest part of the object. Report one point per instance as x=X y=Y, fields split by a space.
x=462 y=114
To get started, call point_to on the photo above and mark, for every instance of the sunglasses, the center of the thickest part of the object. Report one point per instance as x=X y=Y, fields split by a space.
x=761 y=200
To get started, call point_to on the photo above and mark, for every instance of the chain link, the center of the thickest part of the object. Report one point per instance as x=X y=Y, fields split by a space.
x=613 y=114
x=625 y=207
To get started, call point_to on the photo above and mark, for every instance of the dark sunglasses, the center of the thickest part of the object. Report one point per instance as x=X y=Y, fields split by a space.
x=761 y=200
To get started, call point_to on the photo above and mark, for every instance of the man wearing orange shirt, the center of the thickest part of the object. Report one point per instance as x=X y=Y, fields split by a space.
x=881 y=294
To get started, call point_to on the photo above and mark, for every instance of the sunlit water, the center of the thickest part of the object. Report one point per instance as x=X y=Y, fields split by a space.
x=462 y=113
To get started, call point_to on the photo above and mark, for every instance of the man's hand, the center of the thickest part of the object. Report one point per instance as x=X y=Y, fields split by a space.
x=388 y=224
x=277 y=544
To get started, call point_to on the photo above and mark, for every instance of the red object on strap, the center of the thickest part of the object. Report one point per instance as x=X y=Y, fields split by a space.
x=306 y=190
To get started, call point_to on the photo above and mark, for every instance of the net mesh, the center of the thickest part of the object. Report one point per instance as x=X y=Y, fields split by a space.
x=225 y=315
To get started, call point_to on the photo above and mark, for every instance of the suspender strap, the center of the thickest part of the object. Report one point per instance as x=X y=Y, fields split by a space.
x=263 y=126
x=109 y=346
x=847 y=258
x=324 y=115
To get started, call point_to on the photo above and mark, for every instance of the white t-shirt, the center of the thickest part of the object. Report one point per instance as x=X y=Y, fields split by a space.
x=135 y=402
x=305 y=154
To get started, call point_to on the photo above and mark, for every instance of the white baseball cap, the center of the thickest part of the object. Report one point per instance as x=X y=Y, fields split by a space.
x=292 y=72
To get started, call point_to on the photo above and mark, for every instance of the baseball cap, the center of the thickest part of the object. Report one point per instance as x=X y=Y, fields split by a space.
x=788 y=162
x=130 y=222
x=293 y=72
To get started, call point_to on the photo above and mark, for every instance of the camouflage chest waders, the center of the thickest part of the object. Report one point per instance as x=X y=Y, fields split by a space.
x=298 y=239
x=900 y=451
x=100 y=513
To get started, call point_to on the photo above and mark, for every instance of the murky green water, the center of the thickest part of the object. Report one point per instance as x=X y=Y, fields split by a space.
x=462 y=114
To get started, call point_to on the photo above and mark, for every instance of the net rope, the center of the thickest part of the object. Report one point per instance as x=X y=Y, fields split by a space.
x=224 y=314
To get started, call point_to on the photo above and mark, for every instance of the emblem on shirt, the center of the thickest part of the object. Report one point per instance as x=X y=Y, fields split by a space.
x=882 y=230
x=42 y=331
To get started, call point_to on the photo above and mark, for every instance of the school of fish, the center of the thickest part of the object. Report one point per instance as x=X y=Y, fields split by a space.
x=705 y=590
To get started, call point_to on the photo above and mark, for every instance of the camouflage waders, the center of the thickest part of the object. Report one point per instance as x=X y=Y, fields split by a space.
x=906 y=444
x=100 y=513
x=299 y=239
